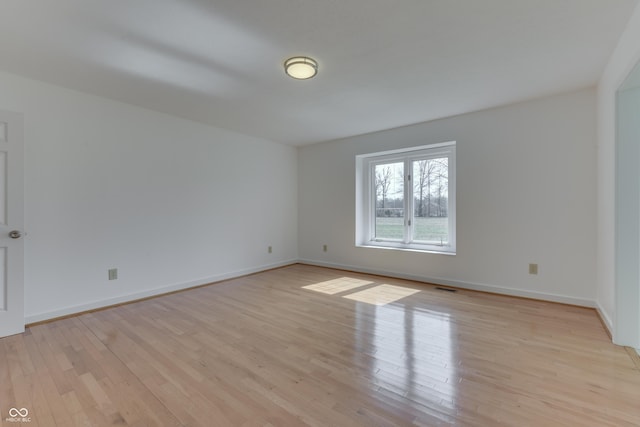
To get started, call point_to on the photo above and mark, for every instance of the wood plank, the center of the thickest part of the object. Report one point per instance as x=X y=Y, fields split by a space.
x=305 y=345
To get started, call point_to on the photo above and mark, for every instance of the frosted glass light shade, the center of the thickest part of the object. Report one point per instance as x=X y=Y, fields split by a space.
x=301 y=67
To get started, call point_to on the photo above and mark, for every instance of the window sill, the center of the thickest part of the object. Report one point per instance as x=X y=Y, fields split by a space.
x=407 y=248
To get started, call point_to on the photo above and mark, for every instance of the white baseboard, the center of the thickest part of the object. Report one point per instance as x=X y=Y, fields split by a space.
x=66 y=311
x=605 y=318
x=583 y=302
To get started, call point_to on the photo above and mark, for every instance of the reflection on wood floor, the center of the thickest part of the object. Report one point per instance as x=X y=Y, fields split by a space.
x=305 y=345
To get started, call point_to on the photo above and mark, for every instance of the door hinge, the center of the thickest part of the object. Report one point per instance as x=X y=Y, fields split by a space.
x=409 y=222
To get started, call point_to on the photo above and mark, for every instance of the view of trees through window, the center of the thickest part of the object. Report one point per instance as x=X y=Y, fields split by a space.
x=429 y=191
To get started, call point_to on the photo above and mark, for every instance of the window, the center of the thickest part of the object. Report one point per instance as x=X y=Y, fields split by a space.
x=406 y=199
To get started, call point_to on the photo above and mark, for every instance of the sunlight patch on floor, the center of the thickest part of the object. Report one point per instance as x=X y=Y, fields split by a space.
x=381 y=295
x=336 y=286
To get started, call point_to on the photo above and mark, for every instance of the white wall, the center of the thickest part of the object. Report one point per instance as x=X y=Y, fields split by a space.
x=622 y=61
x=627 y=217
x=169 y=202
x=526 y=184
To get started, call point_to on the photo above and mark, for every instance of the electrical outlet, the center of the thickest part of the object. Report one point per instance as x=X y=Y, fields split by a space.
x=269 y=249
x=324 y=248
x=533 y=268
x=113 y=274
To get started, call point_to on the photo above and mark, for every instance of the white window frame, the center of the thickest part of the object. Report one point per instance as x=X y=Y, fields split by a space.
x=366 y=197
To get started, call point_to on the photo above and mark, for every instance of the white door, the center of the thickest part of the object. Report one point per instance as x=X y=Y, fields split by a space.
x=11 y=224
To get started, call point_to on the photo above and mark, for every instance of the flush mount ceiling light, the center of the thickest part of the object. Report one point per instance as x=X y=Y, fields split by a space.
x=301 y=67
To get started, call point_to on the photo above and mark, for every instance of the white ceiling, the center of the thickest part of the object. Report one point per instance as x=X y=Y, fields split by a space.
x=382 y=63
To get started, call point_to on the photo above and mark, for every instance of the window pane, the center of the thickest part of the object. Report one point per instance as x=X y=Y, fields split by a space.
x=393 y=211
x=431 y=200
x=389 y=187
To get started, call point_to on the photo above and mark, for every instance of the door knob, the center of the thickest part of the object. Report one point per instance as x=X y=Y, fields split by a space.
x=15 y=234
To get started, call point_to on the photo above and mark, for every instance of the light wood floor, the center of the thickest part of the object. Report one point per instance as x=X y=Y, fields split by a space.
x=306 y=345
